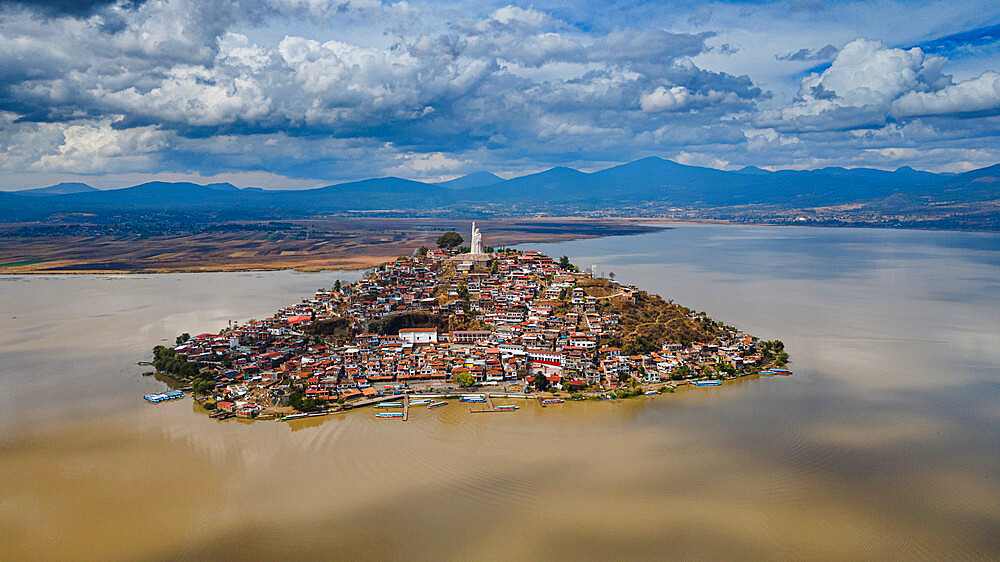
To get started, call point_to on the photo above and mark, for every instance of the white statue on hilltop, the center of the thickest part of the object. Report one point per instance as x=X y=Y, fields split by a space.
x=477 y=240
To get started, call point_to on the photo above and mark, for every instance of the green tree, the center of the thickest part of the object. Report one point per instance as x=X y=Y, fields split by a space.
x=565 y=264
x=611 y=275
x=463 y=379
x=202 y=386
x=782 y=359
x=541 y=382
x=337 y=285
x=183 y=338
x=422 y=251
x=298 y=401
x=450 y=240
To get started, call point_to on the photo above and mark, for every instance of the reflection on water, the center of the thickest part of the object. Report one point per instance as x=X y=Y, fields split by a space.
x=883 y=444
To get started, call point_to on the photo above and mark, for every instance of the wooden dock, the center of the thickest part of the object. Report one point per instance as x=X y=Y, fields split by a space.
x=369 y=401
x=406 y=407
x=489 y=406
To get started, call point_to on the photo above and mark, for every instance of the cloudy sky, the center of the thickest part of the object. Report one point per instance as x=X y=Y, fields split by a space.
x=301 y=93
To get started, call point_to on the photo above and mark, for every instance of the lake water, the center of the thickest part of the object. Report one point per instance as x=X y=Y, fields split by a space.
x=884 y=444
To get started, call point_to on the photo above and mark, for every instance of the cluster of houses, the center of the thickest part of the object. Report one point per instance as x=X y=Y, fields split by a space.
x=504 y=318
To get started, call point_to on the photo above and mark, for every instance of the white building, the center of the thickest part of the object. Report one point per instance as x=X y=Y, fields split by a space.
x=418 y=335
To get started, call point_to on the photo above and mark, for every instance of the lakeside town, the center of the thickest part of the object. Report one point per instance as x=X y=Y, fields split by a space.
x=470 y=323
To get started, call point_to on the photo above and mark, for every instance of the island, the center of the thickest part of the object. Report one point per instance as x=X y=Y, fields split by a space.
x=470 y=323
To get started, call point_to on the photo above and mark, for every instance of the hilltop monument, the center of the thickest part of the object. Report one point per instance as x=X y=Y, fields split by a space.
x=476 y=255
x=477 y=240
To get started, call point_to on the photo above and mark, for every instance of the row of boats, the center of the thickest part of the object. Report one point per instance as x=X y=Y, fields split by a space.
x=163 y=396
x=472 y=399
x=421 y=402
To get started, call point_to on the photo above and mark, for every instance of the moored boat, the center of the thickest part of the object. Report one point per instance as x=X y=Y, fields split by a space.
x=553 y=401
x=389 y=415
x=436 y=404
x=163 y=396
x=650 y=392
x=420 y=402
x=389 y=405
x=507 y=407
x=707 y=383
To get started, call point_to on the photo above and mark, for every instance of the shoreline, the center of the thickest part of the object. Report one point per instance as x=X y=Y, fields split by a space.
x=355 y=260
x=370 y=243
x=447 y=325
x=647 y=391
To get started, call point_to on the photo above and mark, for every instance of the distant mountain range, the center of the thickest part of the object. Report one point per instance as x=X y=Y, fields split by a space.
x=476 y=179
x=639 y=182
x=57 y=189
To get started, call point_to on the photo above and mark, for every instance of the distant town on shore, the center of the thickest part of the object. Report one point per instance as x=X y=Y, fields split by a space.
x=469 y=322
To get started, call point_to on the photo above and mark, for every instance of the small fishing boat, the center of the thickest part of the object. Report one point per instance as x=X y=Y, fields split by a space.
x=389 y=405
x=473 y=399
x=707 y=383
x=781 y=371
x=553 y=401
x=420 y=402
x=507 y=407
x=389 y=415
x=650 y=393
x=436 y=404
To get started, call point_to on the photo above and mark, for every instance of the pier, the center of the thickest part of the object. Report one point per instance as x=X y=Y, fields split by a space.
x=368 y=402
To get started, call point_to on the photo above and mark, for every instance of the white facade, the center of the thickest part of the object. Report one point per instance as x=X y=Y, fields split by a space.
x=418 y=335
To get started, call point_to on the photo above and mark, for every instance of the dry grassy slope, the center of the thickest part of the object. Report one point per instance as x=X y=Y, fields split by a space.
x=652 y=318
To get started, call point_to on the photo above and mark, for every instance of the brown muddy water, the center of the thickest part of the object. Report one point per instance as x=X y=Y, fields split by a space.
x=884 y=444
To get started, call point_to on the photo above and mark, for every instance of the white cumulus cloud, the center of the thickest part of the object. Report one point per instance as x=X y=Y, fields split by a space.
x=979 y=94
